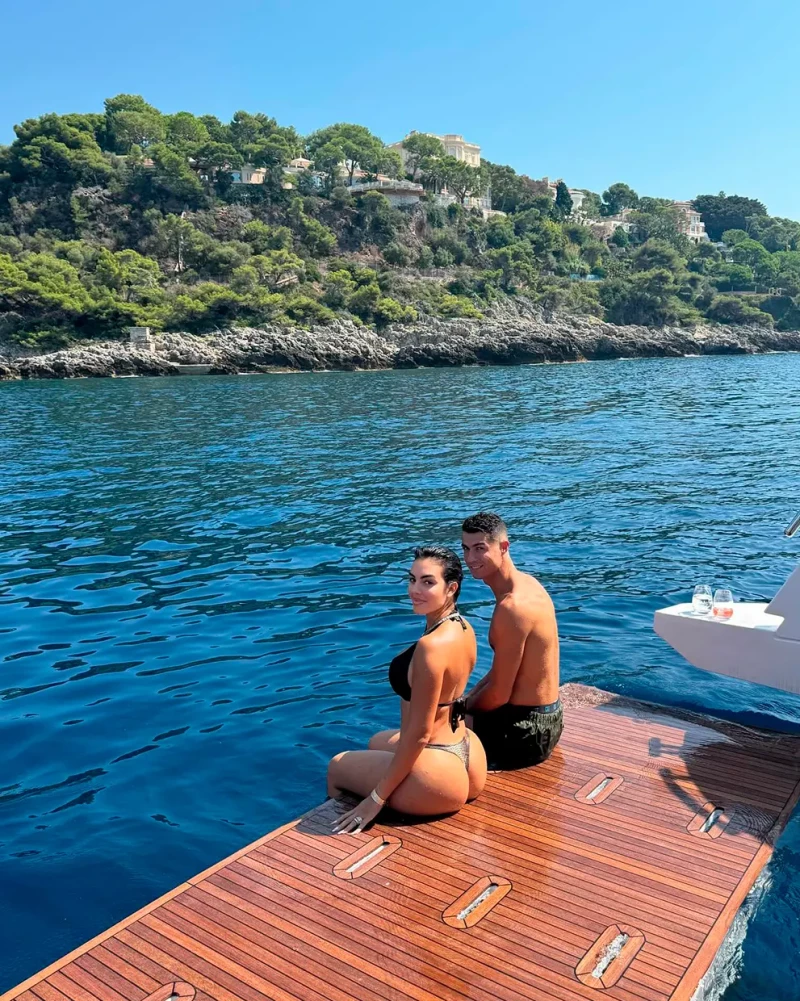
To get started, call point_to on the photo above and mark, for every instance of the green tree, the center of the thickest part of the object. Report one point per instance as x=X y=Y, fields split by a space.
x=388 y=310
x=733 y=236
x=620 y=238
x=512 y=192
x=131 y=121
x=756 y=257
x=356 y=144
x=774 y=233
x=592 y=205
x=647 y=297
x=658 y=254
x=217 y=132
x=659 y=219
x=262 y=237
x=169 y=183
x=275 y=269
x=515 y=264
x=50 y=152
x=135 y=277
x=315 y=237
x=733 y=277
x=213 y=157
x=421 y=148
x=733 y=309
x=500 y=232
x=617 y=197
x=563 y=201
x=339 y=286
x=460 y=178
x=185 y=133
x=721 y=212
x=397 y=255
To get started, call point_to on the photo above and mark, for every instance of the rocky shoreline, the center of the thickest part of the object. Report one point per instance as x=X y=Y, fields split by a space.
x=511 y=333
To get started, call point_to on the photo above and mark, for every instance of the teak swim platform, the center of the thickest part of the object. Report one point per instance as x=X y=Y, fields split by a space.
x=613 y=870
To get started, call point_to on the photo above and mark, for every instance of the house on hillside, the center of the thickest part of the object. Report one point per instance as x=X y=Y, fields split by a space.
x=399 y=192
x=470 y=153
x=248 y=174
x=605 y=228
x=578 y=195
x=692 y=226
x=454 y=145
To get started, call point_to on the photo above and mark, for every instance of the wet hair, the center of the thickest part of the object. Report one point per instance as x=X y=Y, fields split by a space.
x=450 y=563
x=487 y=523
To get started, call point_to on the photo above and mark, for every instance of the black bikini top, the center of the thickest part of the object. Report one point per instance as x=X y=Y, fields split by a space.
x=398 y=675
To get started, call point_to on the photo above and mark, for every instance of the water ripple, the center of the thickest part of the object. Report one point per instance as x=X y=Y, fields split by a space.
x=213 y=570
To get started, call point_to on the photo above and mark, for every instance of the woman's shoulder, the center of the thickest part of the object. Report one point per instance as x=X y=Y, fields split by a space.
x=445 y=635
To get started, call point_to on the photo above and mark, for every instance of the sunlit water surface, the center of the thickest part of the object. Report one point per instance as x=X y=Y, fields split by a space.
x=201 y=586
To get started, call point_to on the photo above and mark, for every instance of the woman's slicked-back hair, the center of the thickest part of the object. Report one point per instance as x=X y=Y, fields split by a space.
x=450 y=563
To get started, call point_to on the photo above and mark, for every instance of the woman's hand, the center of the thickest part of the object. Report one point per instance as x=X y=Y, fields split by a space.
x=355 y=820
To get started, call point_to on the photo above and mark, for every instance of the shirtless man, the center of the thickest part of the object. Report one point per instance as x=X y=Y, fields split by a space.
x=515 y=709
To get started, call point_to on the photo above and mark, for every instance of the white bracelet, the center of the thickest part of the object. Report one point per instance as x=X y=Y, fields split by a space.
x=376 y=798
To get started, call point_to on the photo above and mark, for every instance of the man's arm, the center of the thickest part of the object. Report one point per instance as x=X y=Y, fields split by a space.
x=509 y=633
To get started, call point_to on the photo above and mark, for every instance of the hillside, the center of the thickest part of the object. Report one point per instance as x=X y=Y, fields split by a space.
x=132 y=217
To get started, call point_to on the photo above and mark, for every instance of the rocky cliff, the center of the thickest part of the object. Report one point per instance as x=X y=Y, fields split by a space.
x=512 y=333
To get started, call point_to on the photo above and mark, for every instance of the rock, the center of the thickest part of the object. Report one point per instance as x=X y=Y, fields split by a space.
x=513 y=332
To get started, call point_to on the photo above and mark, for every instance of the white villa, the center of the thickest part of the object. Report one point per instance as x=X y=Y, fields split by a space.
x=457 y=146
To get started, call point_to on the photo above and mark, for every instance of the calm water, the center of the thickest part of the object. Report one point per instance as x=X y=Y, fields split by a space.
x=201 y=585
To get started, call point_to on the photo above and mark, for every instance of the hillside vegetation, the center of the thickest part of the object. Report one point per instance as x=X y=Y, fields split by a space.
x=131 y=217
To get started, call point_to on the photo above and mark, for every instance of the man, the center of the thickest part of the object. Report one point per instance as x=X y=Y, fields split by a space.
x=515 y=709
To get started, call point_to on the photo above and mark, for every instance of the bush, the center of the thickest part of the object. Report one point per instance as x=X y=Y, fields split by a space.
x=453 y=306
x=442 y=258
x=306 y=311
x=397 y=255
x=500 y=232
x=425 y=258
x=341 y=197
x=364 y=300
x=391 y=311
x=262 y=237
x=733 y=309
x=43 y=340
x=339 y=286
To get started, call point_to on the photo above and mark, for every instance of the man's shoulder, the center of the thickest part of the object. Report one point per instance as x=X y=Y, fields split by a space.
x=527 y=602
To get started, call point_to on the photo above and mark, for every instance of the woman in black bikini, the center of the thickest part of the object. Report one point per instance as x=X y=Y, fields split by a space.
x=432 y=764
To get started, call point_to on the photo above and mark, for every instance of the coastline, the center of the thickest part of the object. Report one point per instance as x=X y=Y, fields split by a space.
x=511 y=333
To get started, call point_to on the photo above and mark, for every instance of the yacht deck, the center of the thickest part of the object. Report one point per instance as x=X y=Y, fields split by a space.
x=617 y=866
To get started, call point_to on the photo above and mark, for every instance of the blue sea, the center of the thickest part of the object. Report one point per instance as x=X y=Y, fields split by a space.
x=201 y=584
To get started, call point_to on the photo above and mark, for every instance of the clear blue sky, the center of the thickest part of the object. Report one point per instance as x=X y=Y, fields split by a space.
x=676 y=98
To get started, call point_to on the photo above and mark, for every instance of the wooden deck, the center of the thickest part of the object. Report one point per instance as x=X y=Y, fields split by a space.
x=616 y=867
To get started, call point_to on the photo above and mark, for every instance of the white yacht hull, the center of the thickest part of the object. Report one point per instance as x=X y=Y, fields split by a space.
x=760 y=643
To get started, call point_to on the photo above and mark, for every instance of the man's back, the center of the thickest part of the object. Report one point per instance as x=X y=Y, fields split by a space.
x=531 y=609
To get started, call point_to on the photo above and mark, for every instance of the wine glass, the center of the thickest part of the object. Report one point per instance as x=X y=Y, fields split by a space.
x=723 y=603
x=701 y=600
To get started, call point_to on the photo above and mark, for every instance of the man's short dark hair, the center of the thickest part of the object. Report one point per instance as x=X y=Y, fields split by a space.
x=487 y=523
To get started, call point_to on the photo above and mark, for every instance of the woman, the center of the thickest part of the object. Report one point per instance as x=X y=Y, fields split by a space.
x=432 y=764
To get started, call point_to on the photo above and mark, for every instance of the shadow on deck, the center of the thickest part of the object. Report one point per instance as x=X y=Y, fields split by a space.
x=617 y=865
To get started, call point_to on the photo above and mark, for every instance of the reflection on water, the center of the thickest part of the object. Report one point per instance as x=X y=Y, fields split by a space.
x=202 y=586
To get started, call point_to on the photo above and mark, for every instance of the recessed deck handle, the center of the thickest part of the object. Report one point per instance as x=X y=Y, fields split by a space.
x=599 y=788
x=475 y=903
x=710 y=821
x=178 y=989
x=367 y=857
x=609 y=957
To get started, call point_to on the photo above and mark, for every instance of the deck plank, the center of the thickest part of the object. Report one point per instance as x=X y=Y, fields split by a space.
x=274 y=921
